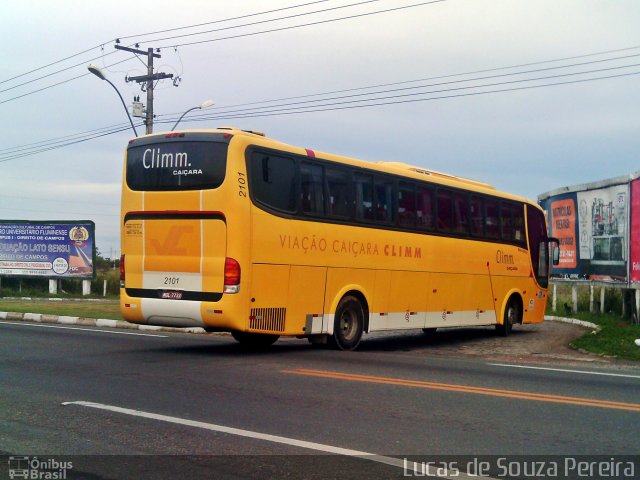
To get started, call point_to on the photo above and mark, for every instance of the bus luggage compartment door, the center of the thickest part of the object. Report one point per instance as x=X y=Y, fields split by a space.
x=174 y=257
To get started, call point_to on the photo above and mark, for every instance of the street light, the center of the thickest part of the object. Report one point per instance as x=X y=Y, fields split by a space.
x=98 y=73
x=202 y=106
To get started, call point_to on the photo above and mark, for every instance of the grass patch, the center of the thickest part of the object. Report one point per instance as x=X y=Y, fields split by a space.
x=616 y=336
x=110 y=310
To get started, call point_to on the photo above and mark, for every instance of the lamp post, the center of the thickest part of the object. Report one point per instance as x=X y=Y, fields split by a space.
x=202 y=106
x=98 y=73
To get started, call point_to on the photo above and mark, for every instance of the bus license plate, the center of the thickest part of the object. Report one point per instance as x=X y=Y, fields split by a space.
x=171 y=295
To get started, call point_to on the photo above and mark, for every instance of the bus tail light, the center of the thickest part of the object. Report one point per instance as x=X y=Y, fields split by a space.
x=122 y=272
x=231 y=276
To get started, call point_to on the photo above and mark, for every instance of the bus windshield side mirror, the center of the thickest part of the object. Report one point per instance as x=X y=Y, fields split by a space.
x=555 y=249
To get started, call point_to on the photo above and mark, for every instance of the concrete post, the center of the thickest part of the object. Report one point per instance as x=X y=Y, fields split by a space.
x=638 y=306
x=591 y=305
x=53 y=286
x=602 y=294
x=86 y=287
x=104 y=288
x=574 y=298
x=554 y=302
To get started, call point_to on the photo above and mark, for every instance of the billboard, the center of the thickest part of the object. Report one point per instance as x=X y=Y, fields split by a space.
x=598 y=226
x=55 y=249
x=634 y=254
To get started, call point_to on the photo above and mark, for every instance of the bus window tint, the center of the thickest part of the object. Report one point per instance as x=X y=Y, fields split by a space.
x=461 y=213
x=406 y=205
x=492 y=221
x=338 y=186
x=176 y=166
x=506 y=218
x=273 y=181
x=538 y=245
x=364 y=197
x=518 y=225
x=311 y=196
x=425 y=205
x=477 y=216
x=384 y=200
x=445 y=210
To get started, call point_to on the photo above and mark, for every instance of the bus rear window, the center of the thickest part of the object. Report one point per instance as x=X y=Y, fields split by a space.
x=176 y=166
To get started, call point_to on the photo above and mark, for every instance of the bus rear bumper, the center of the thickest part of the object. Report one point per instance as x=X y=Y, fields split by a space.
x=156 y=311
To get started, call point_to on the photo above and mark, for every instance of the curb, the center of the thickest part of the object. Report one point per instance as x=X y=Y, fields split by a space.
x=57 y=299
x=573 y=321
x=109 y=323
x=93 y=322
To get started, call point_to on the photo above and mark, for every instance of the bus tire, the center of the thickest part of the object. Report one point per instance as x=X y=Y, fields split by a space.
x=349 y=323
x=254 y=340
x=512 y=315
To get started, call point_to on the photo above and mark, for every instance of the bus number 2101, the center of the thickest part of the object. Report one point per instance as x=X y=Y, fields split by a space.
x=242 y=182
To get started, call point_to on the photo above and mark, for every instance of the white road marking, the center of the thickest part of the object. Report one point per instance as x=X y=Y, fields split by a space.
x=405 y=464
x=84 y=329
x=584 y=372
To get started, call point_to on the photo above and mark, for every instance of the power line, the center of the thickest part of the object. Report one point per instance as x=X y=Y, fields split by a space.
x=314 y=109
x=292 y=27
x=57 y=83
x=52 y=141
x=223 y=20
x=42 y=146
x=101 y=45
x=350 y=104
x=456 y=82
x=219 y=39
x=288 y=17
x=404 y=82
x=66 y=144
x=53 y=63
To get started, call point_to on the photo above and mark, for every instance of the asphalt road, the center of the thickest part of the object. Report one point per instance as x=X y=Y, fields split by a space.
x=133 y=405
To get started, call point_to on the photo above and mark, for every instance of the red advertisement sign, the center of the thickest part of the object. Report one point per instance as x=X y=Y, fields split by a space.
x=563 y=227
x=634 y=253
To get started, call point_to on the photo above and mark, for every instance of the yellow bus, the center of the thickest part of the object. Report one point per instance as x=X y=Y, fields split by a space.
x=232 y=231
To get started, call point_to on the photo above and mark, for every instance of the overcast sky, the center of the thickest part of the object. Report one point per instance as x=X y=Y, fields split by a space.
x=486 y=126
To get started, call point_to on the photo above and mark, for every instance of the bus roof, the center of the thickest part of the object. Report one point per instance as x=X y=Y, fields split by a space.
x=418 y=173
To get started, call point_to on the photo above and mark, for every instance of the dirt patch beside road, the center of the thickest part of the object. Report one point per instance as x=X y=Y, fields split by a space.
x=548 y=341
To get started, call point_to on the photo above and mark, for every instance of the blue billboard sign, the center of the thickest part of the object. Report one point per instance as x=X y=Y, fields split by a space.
x=56 y=249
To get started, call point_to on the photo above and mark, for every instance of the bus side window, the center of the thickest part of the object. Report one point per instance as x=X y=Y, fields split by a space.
x=311 y=194
x=364 y=197
x=338 y=188
x=492 y=221
x=424 y=208
x=508 y=231
x=406 y=205
x=461 y=213
x=518 y=225
x=274 y=181
x=445 y=210
x=384 y=211
x=477 y=216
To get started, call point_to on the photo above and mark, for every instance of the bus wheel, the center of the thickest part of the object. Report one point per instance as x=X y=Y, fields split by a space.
x=255 y=340
x=349 y=323
x=511 y=317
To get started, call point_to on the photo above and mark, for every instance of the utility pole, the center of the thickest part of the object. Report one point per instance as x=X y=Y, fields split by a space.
x=149 y=78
